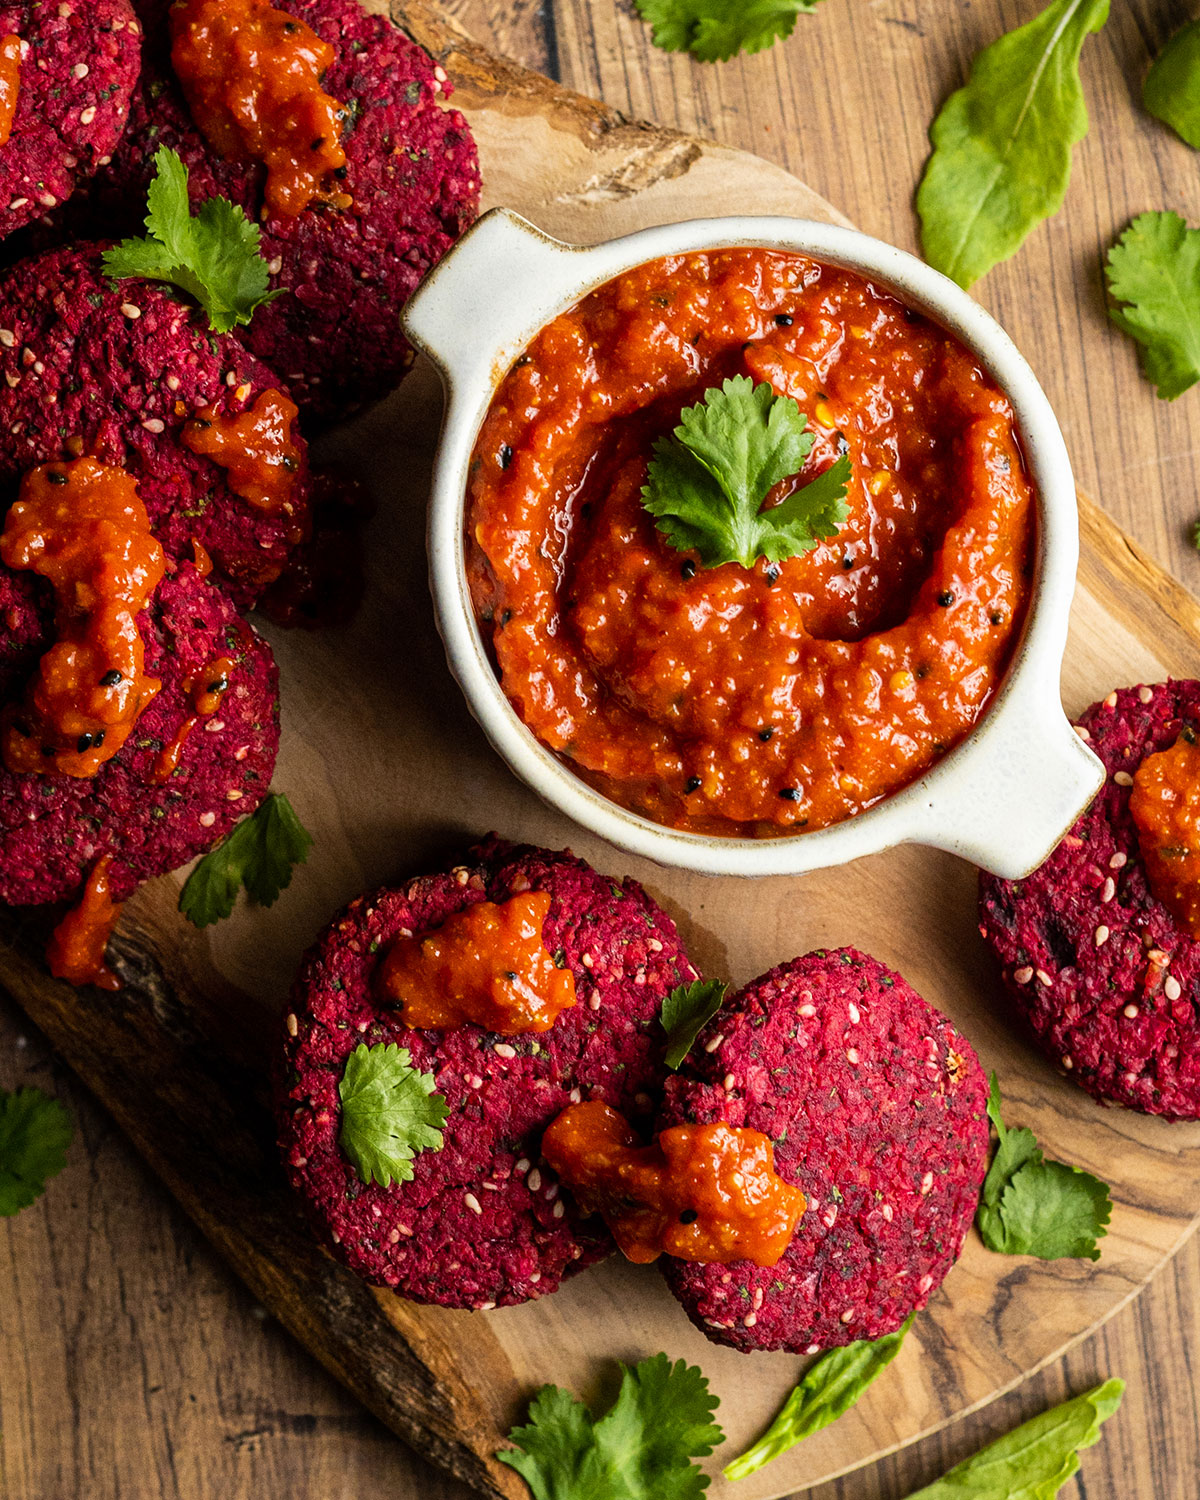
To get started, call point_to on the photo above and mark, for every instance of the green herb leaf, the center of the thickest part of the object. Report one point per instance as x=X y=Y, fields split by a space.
x=716 y=30
x=214 y=257
x=260 y=854
x=1034 y=1461
x=1196 y=535
x=830 y=1387
x=707 y=483
x=641 y=1449
x=1002 y=144
x=1030 y=1206
x=1172 y=87
x=390 y=1113
x=35 y=1132
x=1154 y=269
x=685 y=1010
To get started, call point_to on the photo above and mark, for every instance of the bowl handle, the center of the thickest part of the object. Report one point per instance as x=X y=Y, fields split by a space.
x=483 y=302
x=1011 y=819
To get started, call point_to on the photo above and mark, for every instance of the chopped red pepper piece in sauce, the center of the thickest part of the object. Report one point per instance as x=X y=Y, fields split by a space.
x=486 y=965
x=1165 y=804
x=75 y=951
x=707 y=1193
x=252 y=77
x=83 y=527
x=10 y=84
x=256 y=449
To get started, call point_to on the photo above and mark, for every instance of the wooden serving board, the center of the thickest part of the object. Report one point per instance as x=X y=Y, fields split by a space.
x=388 y=770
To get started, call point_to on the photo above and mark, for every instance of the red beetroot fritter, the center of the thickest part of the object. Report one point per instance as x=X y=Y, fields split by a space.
x=54 y=828
x=877 y=1108
x=119 y=367
x=412 y=170
x=482 y=1223
x=1094 y=961
x=78 y=68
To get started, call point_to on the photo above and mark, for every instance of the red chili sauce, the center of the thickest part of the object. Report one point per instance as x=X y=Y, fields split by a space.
x=705 y=1193
x=1165 y=803
x=10 y=84
x=256 y=449
x=75 y=951
x=206 y=692
x=252 y=77
x=83 y=527
x=486 y=965
x=783 y=697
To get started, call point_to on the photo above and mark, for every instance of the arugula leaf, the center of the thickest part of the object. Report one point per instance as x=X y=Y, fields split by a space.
x=35 y=1132
x=390 y=1113
x=1002 y=144
x=715 y=30
x=641 y=1449
x=707 y=483
x=1030 y=1206
x=1034 y=1461
x=260 y=854
x=687 y=1009
x=1154 y=269
x=829 y=1388
x=1172 y=87
x=214 y=256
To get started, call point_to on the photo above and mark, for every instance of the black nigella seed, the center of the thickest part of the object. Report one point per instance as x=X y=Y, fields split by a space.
x=946 y=599
x=790 y=794
x=688 y=571
x=506 y=455
x=56 y=476
x=688 y=1216
x=784 y=320
x=219 y=685
x=22 y=728
x=693 y=784
x=49 y=751
x=765 y=734
x=98 y=738
x=84 y=742
x=772 y=573
x=110 y=679
x=847 y=562
x=996 y=617
x=505 y=617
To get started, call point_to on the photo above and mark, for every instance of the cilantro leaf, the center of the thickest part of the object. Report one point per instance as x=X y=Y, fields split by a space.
x=1002 y=144
x=1035 y=1460
x=390 y=1113
x=35 y=1132
x=707 y=483
x=1154 y=269
x=214 y=257
x=1172 y=87
x=641 y=1449
x=260 y=854
x=1030 y=1206
x=715 y=30
x=830 y=1387
x=684 y=1011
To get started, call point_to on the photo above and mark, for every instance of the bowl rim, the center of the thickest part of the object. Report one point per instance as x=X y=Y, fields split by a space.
x=1032 y=673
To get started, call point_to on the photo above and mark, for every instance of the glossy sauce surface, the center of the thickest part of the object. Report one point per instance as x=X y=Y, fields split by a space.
x=10 y=84
x=75 y=951
x=82 y=527
x=705 y=1193
x=486 y=965
x=256 y=449
x=1165 y=803
x=749 y=701
x=252 y=76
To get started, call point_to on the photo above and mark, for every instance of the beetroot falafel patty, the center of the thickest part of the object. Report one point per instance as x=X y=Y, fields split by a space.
x=147 y=818
x=482 y=1223
x=877 y=1109
x=1097 y=965
x=76 y=72
x=116 y=370
x=411 y=169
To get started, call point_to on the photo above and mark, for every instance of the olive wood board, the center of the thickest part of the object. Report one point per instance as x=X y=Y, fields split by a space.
x=388 y=770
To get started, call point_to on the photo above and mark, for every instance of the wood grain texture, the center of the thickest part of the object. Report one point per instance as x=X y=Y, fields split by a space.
x=281 y=1450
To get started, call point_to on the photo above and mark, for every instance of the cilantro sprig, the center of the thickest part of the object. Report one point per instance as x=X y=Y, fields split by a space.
x=685 y=1011
x=642 y=1448
x=707 y=483
x=214 y=256
x=716 y=30
x=1153 y=275
x=260 y=854
x=1031 y=1206
x=390 y=1113
x=1171 y=91
x=830 y=1387
x=35 y=1131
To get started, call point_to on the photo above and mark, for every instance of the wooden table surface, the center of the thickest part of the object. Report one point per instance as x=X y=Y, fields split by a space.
x=132 y=1364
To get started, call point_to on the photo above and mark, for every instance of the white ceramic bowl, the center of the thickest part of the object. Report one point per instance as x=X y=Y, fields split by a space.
x=1004 y=796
